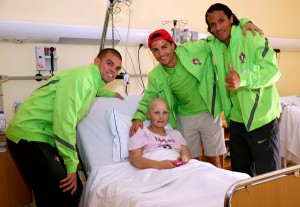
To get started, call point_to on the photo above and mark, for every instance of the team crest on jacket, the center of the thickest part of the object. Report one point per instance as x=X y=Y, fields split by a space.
x=196 y=61
x=242 y=57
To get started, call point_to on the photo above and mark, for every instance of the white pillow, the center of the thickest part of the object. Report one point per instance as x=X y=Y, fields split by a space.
x=119 y=125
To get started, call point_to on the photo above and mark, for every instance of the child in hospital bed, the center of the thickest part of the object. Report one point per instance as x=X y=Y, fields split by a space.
x=157 y=137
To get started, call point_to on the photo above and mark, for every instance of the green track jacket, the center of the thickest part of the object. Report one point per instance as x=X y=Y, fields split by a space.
x=255 y=61
x=195 y=57
x=51 y=113
x=188 y=54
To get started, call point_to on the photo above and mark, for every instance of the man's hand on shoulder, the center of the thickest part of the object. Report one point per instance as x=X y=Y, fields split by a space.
x=253 y=28
x=136 y=124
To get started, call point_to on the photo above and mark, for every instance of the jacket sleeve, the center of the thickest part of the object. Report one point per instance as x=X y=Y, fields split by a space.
x=106 y=93
x=200 y=46
x=69 y=101
x=243 y=21
x=150 y=93
x=264 y=70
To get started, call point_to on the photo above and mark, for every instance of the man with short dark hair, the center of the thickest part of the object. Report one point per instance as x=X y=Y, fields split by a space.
x=42 y=134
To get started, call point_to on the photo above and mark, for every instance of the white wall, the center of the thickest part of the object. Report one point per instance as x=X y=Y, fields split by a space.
x=276 y=18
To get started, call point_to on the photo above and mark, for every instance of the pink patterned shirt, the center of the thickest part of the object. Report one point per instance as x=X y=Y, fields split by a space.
x=150 y=142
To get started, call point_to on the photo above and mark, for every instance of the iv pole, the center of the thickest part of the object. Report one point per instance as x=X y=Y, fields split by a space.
x=104 y=31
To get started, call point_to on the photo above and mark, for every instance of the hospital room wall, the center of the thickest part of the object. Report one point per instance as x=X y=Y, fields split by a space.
x=276 y=18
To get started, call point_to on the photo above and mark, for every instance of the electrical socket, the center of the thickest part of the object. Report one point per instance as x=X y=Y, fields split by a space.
x=19 y=40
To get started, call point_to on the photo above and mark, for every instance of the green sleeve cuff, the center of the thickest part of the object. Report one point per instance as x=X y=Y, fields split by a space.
x=106 y=93
x=72 y=168
x=139 y=115
x=243 y=21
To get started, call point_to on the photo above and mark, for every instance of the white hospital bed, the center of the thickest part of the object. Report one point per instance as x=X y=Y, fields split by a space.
x=112 y=181
x=290 y=129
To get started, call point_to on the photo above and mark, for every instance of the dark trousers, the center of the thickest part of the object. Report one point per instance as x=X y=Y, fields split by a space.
x=43 y=168
x=255 y=152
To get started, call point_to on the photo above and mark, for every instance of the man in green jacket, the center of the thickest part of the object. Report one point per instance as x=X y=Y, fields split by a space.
x=184 y=79
x=42 y=134
x=247 y=71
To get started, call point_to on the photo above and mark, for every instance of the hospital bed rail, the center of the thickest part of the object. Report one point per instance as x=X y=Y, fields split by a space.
x=267 y=188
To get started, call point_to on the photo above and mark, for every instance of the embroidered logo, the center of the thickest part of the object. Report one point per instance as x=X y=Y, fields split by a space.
x=242 y=57
x=261 y=141
x=196 y=61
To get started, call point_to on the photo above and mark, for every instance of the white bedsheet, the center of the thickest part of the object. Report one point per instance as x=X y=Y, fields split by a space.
x=193 y=184
x=290 y=133
x=290 y=100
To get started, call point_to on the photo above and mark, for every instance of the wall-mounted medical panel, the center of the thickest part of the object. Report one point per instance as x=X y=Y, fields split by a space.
x=46 y=58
